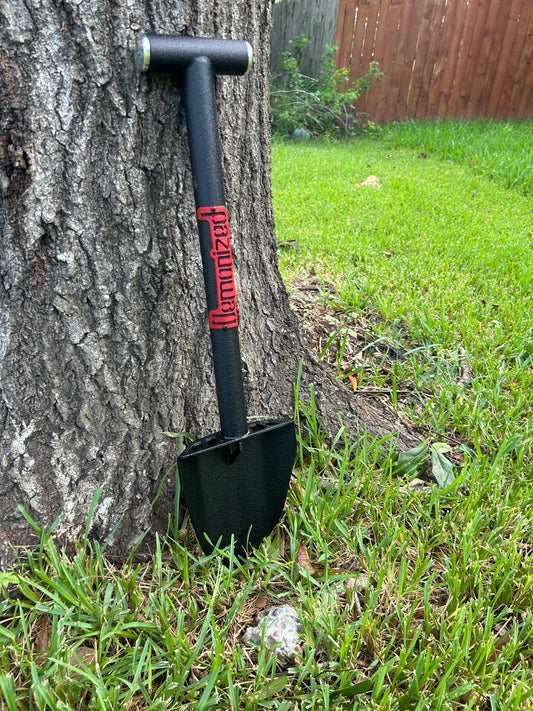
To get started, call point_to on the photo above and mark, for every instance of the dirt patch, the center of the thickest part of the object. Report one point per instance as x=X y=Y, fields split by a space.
x=371 y=182
x=363 y=353
x=348 y=342
x=357 y=347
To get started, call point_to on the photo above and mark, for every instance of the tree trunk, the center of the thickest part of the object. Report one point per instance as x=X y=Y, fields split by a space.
x=104 y=341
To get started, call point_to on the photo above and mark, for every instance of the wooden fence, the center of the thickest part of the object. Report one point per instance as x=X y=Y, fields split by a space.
x=440 y=58
x=316 y=19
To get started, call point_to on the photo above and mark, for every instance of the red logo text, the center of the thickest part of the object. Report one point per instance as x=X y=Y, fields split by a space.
x=225 y=315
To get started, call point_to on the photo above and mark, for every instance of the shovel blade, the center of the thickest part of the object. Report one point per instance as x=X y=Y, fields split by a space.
x=238 y=487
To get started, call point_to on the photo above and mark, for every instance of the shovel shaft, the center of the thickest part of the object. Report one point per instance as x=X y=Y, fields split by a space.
x=234 y=482
x=215 y=246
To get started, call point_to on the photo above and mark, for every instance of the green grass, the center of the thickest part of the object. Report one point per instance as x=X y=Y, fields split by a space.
x=415 y=597
x=443 y=255
x=500 y=152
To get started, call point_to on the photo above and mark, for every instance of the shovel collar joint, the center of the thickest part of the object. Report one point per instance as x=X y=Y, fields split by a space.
x=143 y=55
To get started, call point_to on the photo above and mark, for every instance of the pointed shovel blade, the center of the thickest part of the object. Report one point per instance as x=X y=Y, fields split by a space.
x=238 y=487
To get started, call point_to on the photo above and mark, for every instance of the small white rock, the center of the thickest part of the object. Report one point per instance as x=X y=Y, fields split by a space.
x=282 y=627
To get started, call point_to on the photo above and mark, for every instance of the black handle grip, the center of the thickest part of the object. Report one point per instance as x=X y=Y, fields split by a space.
x=206 y=164
x=173 y=53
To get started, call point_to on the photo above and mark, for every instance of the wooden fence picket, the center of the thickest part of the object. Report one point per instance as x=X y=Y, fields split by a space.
x=440 y=58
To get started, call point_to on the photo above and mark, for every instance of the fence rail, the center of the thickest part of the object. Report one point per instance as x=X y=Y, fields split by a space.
x=440 y=58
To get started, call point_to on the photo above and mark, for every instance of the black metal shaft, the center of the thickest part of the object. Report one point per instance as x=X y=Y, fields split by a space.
x=206 y=164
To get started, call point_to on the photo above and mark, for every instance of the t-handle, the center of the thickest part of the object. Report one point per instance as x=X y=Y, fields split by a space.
x=173 y=53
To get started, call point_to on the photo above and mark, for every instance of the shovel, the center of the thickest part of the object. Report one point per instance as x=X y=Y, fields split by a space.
x=234 y=482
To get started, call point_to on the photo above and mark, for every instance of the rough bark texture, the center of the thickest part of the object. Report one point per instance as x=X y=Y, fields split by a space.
x=104 y=342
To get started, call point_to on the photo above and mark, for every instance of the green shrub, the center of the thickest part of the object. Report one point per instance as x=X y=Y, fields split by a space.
x=316 y=106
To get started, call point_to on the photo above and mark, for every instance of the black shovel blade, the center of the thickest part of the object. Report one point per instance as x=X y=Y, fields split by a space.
x=238 y=487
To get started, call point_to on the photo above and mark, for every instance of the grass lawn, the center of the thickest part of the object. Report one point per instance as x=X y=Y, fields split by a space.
x=443 y=255
x=413 y=578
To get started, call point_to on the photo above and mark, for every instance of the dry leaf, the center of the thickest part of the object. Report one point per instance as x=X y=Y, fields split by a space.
x=79 y=658
x=260 y=601
x=321 y=572
x=419 y=613
x=304 y=561
x=466 y=373
x=44 y=635
x=328 y=482
x=502 y=642
x=414 y=485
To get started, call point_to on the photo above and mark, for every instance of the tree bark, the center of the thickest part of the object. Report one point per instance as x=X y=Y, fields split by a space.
x=104 y=341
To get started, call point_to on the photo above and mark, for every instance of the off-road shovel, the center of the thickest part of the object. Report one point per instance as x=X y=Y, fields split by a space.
x=234 y=482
